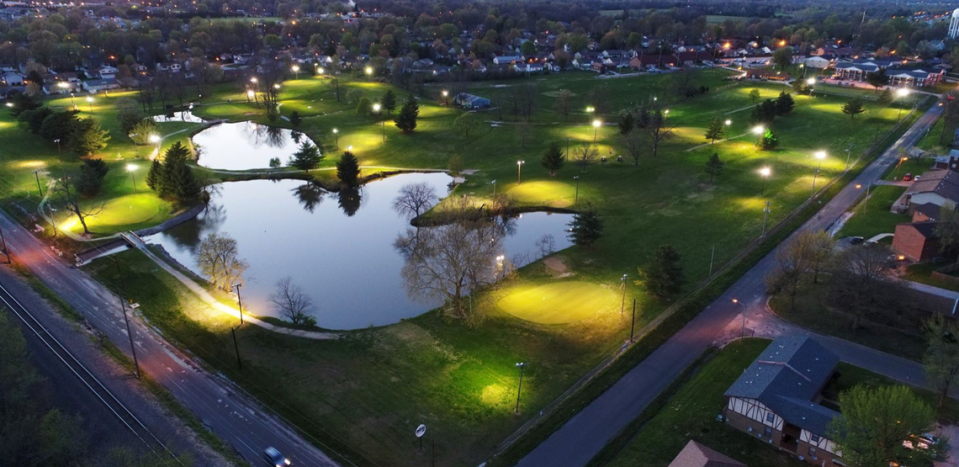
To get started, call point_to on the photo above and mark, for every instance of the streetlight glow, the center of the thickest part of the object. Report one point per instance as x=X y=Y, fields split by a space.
x=154 y=139
x=758 y=130
x=597 y=123
x=369 y=70
x=376 y=107
x=249 y=93
x=253 y=79
x=131 y=167
x=765 y=172
x=811 y=81
x=729 y=122
x=902 y=92
x=820 y=155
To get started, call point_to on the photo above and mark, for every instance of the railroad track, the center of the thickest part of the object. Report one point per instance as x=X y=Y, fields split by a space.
x=89 y=380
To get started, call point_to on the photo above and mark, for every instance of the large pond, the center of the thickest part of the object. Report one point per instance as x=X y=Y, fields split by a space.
x=246 y=145
x=338 y=248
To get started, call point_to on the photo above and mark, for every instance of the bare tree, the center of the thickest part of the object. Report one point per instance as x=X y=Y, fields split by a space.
x=941 y=359
x=290 y=301
x=467 y=123
x=449 y=261
x=584 y=154
x=634 y=143
x=415 y=199
x=218 y=259
x=657 y=128
x=67 y=193
x=857 y=283
x=564 y=103
x=524 y=131
x=791 y=259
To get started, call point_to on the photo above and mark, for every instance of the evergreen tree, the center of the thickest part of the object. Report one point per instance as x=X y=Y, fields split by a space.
x=406 y=119
x=664 y=274
x=885 y=98
x=586 y=227
x=389 y=101
x=853 y=107
x=91 y=176
x=88 y=137
x=715 y=129
x=307 y=157
x=176 y=179
x=754 y=96
x=154 y=175
x=714 y=166
x=784 y=103
x=364 y=106
x=769 y=141
x=626 y=123
x=553 y=158
x=32 y=120
x=348 y=169
x=59 y=126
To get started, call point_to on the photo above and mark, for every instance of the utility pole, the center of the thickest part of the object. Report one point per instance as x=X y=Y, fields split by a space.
x=575 y=177
x=711 y=257
x=521 y=366
x=37 y=174
x=632 y=323
x=236 y=348
x=622 y=304
x=765 y=214
x=240 y=301
x=136 y=364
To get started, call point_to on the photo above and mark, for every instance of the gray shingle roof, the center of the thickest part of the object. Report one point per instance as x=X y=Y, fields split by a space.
x=787 y=377
x=943 y=182
x=698 y=455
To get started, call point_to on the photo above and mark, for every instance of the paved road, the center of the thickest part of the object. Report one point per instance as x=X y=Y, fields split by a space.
x=237 y=419
x=584 y=435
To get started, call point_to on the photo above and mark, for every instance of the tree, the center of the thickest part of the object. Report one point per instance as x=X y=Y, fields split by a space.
x=874 y=424
x=174 y=178
x=389 y=101
x=768 y=141
x=353 y=95
x=528 y=48
x=289 y=300
x=414 y=199
x=142 y=131
x=564 y=103
x=219 y=260
x=801 y=86
x=853 y=107
x=754 y=95
x=32 y=120
x=307 y=157
x=784 y=103
x=947 y=231
x=348 y=170
x=626 y=122
x=714 y=166
x=450 y=260
x=455 y=165
x=885 y=98
x=364 y=106
x=657 y=129
x=23 y=102
x=59 y=126
x=783 y=57
x=406 y=119
x=584 y=154
x=88 y=137
x=791 y=258
x=66 y=192
x=878 y=78
x=154 y=175
x=941 y=359
x=857 y=285
x=553 y=159
x=295 y=119
x=586 y=227
x=635 y=144
x=466 y=123
x=663 y=275
x=715 y=129
x=524 y=131
x=92 y=172
x=128 y=113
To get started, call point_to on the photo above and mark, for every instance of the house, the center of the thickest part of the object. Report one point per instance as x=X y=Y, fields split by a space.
x=926 y=212
x=916 y=240
x=469 y=101
x=521 y=67
x=107 y=72
x=698 y=455
x=939 y=187
x=777 y=399
x=916 y=78
x=172 y=67
x=659 y=61
x=818 y=61
x=507 y=59
x=764 y=74
x=12 y=78
x=949 y=161
x=97 y=85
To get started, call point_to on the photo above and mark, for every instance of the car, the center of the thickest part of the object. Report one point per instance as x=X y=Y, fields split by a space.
x=916 y=178
x=275 y=458
x=856 y=240
x=907 y=177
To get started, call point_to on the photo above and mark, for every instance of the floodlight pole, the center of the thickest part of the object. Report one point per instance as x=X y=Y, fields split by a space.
x=632 y=324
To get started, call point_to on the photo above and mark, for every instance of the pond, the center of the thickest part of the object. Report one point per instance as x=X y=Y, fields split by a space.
x=245 y=145
x=337 y=248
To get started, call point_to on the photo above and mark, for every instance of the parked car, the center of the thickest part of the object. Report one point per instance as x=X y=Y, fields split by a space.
x=916 y=178
x=907 y=177
x=856 y=240
x=275 y=458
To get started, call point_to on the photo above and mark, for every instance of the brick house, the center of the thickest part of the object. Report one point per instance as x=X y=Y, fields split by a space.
x=777 y=399
x=698 y=455
x=916 y=240
x=939 y=187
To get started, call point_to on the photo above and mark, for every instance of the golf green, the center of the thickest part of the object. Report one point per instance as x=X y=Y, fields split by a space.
x=557 y=303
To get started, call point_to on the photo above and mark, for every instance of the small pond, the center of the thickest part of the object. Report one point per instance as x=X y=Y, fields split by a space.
x=246 y=145
x=338 y=249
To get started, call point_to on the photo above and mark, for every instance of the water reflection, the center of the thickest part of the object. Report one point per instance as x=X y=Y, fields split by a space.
x=341 y=253
x=245 y=145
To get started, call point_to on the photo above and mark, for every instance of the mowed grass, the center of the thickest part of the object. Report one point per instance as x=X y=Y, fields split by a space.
x=554 y=194
x=558 y=302
x=877 y=218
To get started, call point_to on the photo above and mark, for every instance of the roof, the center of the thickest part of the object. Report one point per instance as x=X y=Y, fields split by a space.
x=927 y=229
x=786 y=377
x=928 y=209
x=942 y=182
x=697 y=455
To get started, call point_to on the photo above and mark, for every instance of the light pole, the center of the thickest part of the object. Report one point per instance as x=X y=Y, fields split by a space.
x=239 y=301
x=758 y=131
x=576 y=200
x=742 y=331
x=132 y=168
x=376 y=110
x=519 y=171
x=369 y=73
x=336 y=138
x=622 y=304
x=155 y=139
x=90 y=101
x=494 y=188
x=567 y=148
x=811 y=82
x=59 y=154
x=820 y=155
x=519 y=390
x=133 y=306
x=764 y=172
x=765 y=214
x=37 y=174
x=901 y=160
x=728 y=122
x=865 y=201
x=499 y=265
x=446 y=100
x=73 y=100
x=596 y=125
x=590 y=110
x=901 y=92
x=296 y=72
x=848 y=153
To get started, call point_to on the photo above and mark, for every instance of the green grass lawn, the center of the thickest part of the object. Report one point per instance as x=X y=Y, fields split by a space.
x=922 y=272
x=366 y=393
x=877 y=218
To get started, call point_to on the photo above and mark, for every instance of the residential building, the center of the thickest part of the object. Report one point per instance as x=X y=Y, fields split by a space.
x=819 y=61
x=949 y=161
x=469 y=101
x=916 y=240
x=698 y=455
x=97 y=85
x=939 y=187
x=954 y=24
x=777 y=399
x=507 y=59
x=916 y=78
x=764 y=74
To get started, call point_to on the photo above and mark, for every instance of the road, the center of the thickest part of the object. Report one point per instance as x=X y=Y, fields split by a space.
x=239 y=420
x=584 y=435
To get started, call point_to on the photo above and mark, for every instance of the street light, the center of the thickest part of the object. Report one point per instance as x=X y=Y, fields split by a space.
x=446 y=95
x=321 y=70
x=758 y=130
x=742 y=332
x=819 y=155
x=898 y=165
x=901 y=92
x=133 y=168
x=376 y=110
x=865 y=201
x=90 y=101
x=623 y=302
x=369 y=71
x=239 y=300
x=336 y=137
x=764 y=172
x=519 y=171
x=576 y=200
x=59 y=154
x=499 y=264
x=155 y=139
x=766 y=212
x=521 y=366
x=494 y=187
x=596 y=125
x=9 y=105
x=296 y=71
